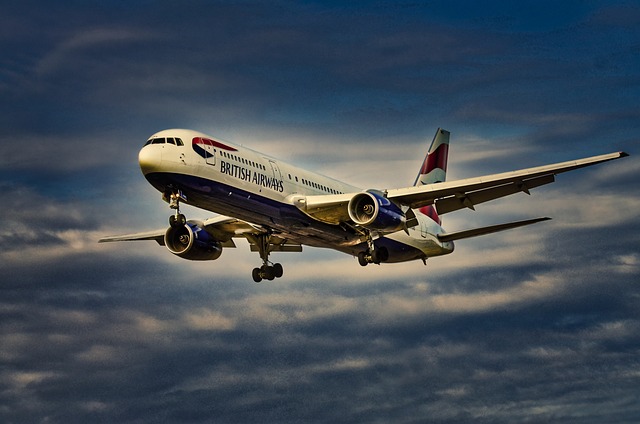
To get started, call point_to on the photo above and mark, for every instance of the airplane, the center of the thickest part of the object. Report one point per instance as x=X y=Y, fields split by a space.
x=279 y=207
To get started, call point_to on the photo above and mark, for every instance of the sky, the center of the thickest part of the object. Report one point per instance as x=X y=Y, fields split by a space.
x=538 y=324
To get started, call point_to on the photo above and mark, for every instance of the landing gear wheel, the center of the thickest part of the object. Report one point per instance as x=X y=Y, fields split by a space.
x=256 y=274
x=268 y=272
x=277 y=270
x=178 y=220
x=375 y=256
x=174 y=197
x=380 y=254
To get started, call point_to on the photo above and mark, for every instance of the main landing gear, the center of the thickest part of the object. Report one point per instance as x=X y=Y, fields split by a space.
x=176 y=220
x=267 y=271
x=373 y=255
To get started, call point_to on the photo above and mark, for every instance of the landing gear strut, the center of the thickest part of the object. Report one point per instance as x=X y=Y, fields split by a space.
x=373 y=255
x=267 y=271
x=176 y=220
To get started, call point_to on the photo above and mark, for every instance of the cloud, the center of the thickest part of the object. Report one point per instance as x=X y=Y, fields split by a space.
x=67 y=53
x=539 y=323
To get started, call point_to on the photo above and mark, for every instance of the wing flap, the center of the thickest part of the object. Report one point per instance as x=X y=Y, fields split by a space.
x=469 y=200
x=289 y=247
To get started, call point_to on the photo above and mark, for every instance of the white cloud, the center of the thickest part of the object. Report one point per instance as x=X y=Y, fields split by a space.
x=65 y=53
x=209 y=320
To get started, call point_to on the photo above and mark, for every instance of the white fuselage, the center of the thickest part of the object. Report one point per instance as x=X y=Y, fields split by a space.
x=232 y=180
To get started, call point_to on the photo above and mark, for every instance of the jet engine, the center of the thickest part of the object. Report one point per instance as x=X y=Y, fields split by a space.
x=375 y=212
x=192 y=242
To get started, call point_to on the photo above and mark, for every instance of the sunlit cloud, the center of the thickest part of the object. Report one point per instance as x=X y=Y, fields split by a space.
x=529 y=324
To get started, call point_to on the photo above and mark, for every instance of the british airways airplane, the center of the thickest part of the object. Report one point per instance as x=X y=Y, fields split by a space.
x=278 y=207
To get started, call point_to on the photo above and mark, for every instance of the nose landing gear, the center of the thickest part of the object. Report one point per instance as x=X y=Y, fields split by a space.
x=173 y=198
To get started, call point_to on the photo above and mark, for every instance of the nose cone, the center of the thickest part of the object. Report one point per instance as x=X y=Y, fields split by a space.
x=149 y=159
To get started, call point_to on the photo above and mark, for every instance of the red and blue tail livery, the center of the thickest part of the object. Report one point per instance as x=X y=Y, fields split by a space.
x=280 y=207
x=434 y=166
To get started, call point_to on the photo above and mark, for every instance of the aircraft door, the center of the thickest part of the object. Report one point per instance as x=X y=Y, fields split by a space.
x=276 y=170
x=206 y=149
x=210 y=157
x=424 y=229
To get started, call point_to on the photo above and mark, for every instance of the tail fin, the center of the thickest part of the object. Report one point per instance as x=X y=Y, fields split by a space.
x=434 y=167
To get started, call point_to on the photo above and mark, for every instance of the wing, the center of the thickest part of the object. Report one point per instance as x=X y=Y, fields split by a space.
x=454 y=195
x=451 y=196
x=157 y=235
x=222 y=228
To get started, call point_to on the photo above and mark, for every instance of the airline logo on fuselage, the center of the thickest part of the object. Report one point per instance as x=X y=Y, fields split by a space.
x=248 y=175
x=205 y=147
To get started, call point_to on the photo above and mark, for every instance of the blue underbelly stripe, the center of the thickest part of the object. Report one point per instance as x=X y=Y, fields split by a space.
x=231 y=201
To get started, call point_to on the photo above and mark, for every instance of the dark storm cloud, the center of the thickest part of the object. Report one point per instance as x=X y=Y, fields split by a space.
x=173 y=348
x=538 y=324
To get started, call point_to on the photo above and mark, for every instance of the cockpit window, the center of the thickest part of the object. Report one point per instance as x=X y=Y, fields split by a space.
x=162 y=140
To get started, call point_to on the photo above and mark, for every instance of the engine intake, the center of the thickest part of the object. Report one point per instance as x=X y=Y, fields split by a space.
x=374 y=211
x=192 y=242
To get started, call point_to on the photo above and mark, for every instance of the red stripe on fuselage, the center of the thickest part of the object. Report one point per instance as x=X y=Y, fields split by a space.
x=202 y=140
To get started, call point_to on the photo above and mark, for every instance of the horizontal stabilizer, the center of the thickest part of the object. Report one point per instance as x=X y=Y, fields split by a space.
x=487 y=230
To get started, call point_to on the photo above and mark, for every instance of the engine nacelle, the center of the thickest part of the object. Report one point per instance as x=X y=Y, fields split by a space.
x=192 y=242
x=376 y=212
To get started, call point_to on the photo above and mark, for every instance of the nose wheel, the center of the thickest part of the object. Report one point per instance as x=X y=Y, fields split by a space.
x=177 y=220
x=174 y=197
